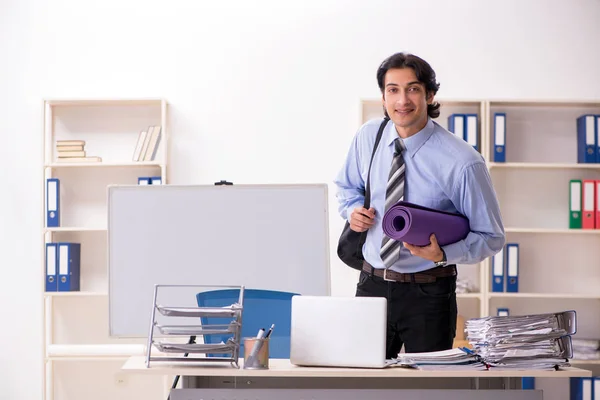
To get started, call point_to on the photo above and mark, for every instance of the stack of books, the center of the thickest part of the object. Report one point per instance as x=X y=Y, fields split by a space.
x=73 y=151
x=538 y=341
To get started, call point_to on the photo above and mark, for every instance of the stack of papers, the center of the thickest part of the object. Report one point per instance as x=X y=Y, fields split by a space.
x=586 y=349
x=461 y=359
x=447 y=359
x=540 y=341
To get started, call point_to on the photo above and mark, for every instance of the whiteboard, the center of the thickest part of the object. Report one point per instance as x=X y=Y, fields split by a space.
x=272 y=237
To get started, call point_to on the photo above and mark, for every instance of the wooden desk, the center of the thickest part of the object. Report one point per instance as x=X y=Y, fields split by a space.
x=279 y=368
x=284 y=380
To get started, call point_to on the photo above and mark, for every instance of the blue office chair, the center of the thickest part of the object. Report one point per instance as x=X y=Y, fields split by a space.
x=261 y=309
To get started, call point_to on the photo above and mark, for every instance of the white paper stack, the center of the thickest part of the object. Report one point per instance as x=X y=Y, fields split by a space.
x=447 y=359
x=539 y=341
x=586 y=349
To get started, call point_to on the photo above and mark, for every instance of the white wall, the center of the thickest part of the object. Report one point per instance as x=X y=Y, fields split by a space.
x=259 y=92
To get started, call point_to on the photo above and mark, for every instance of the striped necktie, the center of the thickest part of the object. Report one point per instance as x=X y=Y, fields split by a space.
x=390 y=249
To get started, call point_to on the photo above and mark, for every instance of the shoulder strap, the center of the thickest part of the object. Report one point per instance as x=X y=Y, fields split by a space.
x=377 y=140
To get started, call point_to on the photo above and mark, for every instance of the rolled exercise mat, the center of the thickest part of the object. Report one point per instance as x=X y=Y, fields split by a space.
x=414 y=224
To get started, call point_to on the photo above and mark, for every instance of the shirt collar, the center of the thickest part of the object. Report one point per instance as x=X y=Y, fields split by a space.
x=413 y=143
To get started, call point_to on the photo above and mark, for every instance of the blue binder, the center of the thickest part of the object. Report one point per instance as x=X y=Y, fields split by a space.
x=456 y=125
x=52 y=203
x=581 y=389
x=598 y=138
x=528 y=383
x=499 y=137
x=512 y=267
x=69 y=261
x=498 y=272
x=51 y=263
x=471 y=134
x=587 y=133
x=502 y=312
x=142 y=180
x=155 y=180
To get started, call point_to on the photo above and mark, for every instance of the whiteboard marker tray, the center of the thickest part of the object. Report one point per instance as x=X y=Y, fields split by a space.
x=190 y=330
x=167 y=347
x=224 y=312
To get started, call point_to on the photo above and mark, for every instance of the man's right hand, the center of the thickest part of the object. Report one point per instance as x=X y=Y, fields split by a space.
x=362 y=219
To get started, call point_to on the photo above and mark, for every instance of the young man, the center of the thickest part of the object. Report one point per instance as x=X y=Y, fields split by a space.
x=420 y=162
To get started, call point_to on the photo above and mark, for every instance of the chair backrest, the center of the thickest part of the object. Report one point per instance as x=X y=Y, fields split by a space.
x=261 y=309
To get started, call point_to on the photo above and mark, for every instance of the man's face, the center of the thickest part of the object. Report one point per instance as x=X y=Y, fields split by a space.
x=405 y=100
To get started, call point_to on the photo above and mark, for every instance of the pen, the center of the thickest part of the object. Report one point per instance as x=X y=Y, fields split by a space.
x=270 y=331
x=477 y=356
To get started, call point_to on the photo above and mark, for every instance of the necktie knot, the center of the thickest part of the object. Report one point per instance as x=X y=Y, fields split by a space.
x=398 y=147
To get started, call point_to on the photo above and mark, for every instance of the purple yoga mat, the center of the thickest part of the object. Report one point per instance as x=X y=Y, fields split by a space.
x=413 y=224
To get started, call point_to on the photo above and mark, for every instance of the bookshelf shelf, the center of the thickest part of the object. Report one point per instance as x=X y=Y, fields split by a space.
x=554 y=231
x=75 y=294
x=116 y=132
x=550 y=166
x=469 y=296
x=76 y=229
x=104 y=164
x=537 y=103
x=94 y=351
x=87 y=358
x=104 y=102
x=545 y=295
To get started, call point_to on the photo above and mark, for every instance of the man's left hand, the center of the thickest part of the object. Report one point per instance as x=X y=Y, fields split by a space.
x=431 y=252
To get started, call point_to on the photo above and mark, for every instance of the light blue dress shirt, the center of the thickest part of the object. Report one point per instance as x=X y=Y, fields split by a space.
x=442 y=172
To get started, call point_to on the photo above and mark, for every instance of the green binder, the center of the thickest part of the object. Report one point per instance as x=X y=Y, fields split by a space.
x=575 y=204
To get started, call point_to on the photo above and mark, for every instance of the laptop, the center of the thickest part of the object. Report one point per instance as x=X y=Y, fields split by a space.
x=338 y=331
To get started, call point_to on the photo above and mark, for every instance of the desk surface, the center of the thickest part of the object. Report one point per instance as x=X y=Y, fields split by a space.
x=283 y=368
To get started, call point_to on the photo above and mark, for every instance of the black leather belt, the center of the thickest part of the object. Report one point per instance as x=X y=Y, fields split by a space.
x=427 y=276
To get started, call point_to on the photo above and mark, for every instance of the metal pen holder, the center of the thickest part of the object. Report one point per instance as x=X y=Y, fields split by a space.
x=256 y=353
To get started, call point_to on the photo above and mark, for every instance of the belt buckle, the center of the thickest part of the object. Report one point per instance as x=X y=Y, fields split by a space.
x=385 y=278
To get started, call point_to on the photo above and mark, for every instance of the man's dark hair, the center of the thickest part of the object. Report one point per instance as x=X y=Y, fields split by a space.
x=425 y=74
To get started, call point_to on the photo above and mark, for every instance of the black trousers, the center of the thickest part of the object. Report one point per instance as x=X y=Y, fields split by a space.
x=420 y=316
